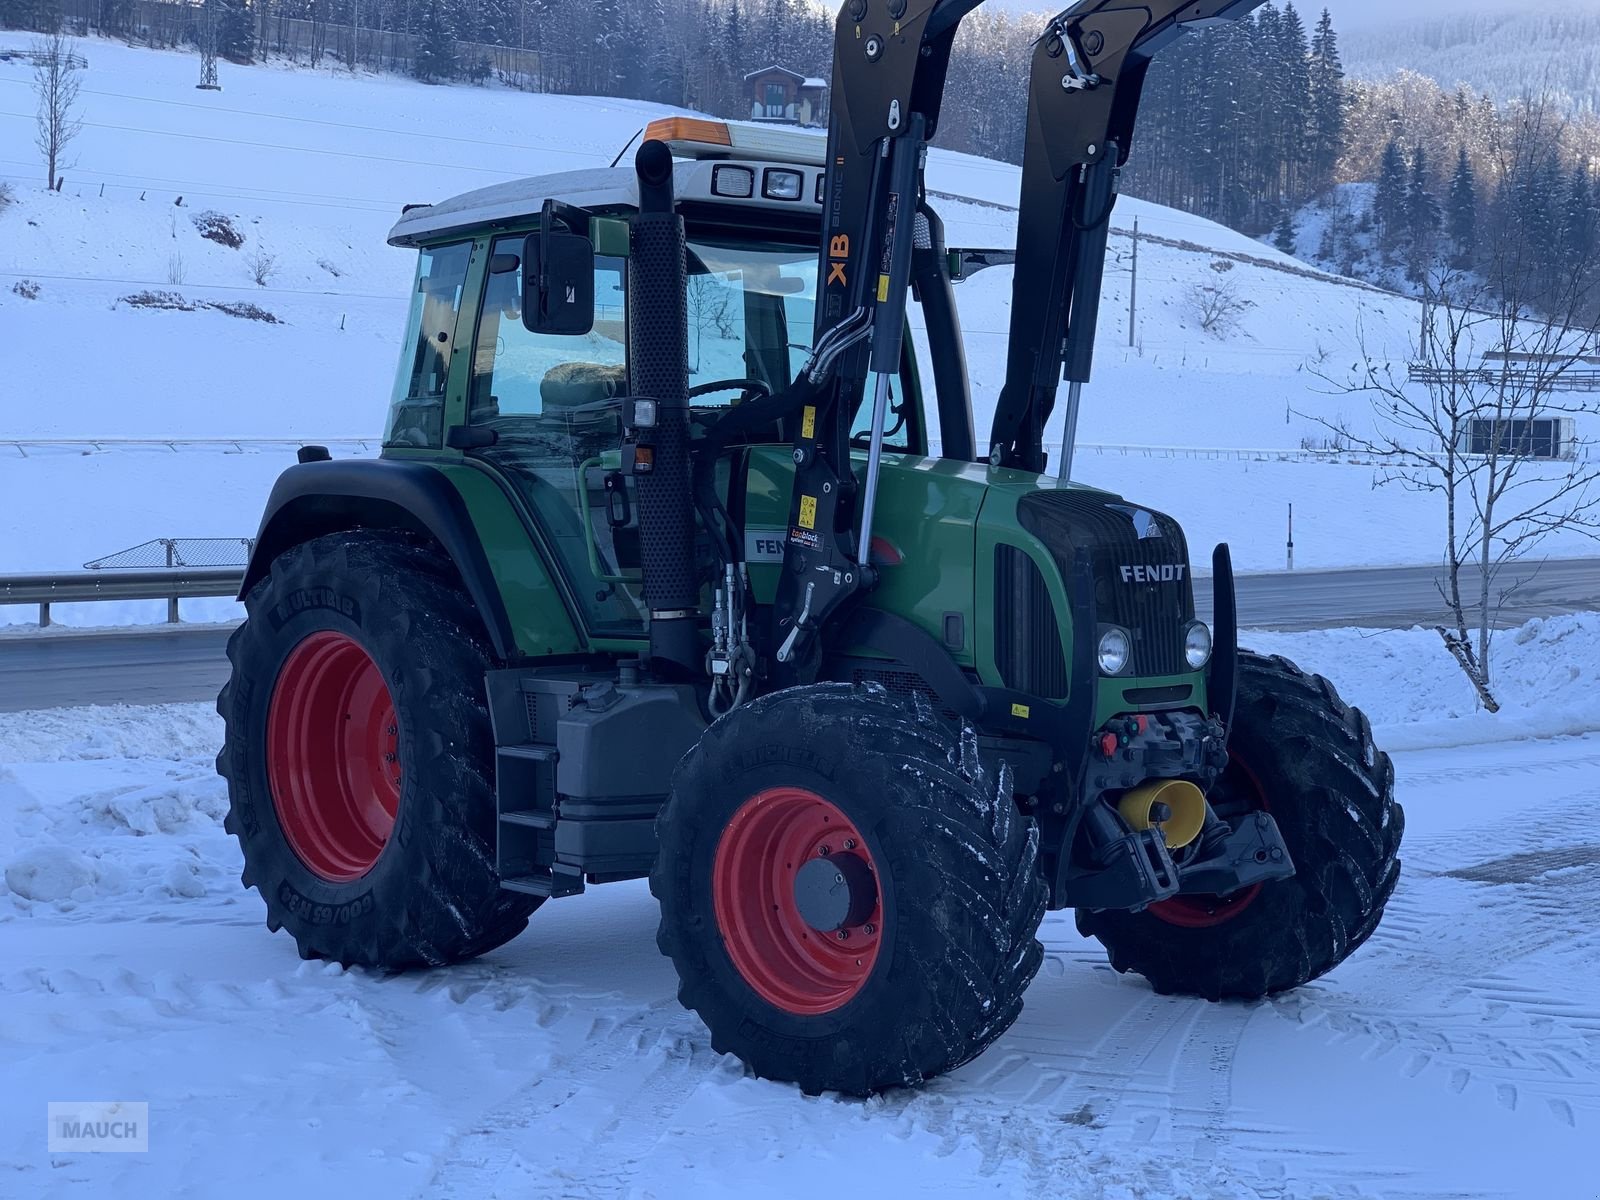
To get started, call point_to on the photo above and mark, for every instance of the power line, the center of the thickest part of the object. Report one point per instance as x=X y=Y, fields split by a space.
x=219 y=192
x=408 y=134
x=206 y=137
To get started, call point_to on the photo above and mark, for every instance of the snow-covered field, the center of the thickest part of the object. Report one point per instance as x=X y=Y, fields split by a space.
x=311 y=168
x=1458 y=1054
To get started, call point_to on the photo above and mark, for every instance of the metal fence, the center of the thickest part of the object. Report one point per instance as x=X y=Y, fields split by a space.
x=178 y=552
x=1531 y=379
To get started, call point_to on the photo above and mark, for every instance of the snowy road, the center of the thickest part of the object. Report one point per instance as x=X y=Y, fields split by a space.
x=161 y=664
x=1457 y=1055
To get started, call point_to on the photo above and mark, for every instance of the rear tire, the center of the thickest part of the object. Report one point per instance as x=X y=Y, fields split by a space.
x=939 y=952
x=359 y=757
x=1298 y=751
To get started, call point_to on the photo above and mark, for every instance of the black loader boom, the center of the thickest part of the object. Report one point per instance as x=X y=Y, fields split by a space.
x=1083 y=102
x=890 y=62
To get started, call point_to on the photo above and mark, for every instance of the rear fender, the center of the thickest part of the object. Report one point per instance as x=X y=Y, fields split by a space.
x=458 y=509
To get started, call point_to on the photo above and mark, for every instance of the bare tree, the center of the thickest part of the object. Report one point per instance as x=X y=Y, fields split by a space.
x=55 y=86
x=1489 y=416
x=263 y=266
x=710 y=310
x=1218 y=307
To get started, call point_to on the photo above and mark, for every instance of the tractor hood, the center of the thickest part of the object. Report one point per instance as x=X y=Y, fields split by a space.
x=982 y=559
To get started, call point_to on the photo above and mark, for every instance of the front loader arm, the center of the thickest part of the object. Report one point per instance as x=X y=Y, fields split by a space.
x=1084 y=89
x=890 y=62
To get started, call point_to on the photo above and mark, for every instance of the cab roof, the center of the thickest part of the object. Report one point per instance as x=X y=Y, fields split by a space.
x=716 y=161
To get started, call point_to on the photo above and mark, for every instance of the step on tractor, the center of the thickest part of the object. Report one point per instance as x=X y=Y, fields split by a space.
x=681 y=561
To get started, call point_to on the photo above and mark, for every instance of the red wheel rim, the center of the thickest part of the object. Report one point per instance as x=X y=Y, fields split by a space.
x=1238 y=792
x=789 y=964
x=333 y=756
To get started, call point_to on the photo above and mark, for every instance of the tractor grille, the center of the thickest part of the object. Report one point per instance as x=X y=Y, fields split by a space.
x=1027 y=636
x=1141 y=568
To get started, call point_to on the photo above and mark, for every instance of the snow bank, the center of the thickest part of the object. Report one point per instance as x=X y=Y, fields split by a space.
x=1545 y=674
x=169 y=732
x=50 y=872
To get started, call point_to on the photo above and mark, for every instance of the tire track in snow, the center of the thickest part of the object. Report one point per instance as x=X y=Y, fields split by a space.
x=1493 y=1026
x=617 y=1117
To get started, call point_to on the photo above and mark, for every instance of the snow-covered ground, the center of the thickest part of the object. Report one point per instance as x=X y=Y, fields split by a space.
x=1457 y=1054
x=312 y=166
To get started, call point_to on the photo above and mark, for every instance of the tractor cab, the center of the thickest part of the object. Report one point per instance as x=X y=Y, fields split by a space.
x=544 y=409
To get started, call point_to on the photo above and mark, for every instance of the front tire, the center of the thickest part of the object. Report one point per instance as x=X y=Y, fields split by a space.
x=359 y=757
x=906 y=969
x=1299 y=752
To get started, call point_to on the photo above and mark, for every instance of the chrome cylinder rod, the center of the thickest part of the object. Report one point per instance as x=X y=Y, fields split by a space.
x=869 y=502
x=1069 y=432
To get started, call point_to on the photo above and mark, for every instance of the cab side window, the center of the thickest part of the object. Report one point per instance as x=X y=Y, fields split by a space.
x=517 y=373
x=416 y=410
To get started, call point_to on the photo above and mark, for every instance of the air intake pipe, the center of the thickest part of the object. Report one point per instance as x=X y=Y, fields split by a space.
x=658 y=369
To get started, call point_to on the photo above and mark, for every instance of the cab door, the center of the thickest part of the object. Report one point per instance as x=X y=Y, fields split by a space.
x=545 y=411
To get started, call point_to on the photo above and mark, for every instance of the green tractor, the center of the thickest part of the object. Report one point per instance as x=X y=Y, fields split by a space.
x=659 y=575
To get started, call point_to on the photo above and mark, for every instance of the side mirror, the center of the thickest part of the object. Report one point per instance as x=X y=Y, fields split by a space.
x=557 y=280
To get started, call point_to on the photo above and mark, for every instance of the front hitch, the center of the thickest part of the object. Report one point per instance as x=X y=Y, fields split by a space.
x=1135 y=870
x=1251 y=854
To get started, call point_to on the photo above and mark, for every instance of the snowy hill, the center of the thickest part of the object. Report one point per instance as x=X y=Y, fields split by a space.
x=1504 y=50
x=311 y=168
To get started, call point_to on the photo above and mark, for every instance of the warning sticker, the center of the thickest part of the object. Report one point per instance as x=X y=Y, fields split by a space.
x=808 y=421
x=883 y=288
x=1021 y=710
x=808 y=512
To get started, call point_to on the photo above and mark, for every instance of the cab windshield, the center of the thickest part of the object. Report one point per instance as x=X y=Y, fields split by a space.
x=750 y=313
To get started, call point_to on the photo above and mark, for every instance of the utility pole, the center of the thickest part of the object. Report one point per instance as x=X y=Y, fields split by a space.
x=1430 y=332
x=1291 y=536
x=1133 y=286
x=208 y=48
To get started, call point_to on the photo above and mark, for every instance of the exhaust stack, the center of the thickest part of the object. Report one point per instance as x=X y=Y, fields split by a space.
x=658 y=369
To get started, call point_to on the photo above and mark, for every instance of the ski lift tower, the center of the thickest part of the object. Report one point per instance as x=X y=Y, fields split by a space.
x=208 y=48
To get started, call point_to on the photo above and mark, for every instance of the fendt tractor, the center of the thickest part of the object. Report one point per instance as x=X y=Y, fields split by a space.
x=629 y=594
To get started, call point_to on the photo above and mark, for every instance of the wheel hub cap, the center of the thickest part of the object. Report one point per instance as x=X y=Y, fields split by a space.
x=835 y=892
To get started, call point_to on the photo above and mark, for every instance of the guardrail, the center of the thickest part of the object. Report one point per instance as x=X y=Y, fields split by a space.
x=76 y=587
x=236 y=445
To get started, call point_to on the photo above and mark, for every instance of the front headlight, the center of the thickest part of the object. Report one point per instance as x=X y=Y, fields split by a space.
x=1197 y=645
x=1114 y=651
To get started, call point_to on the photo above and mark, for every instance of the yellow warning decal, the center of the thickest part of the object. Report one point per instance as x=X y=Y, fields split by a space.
x=1021 y=710
x=883 y=288
x=808 y=421
x=808 y=512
